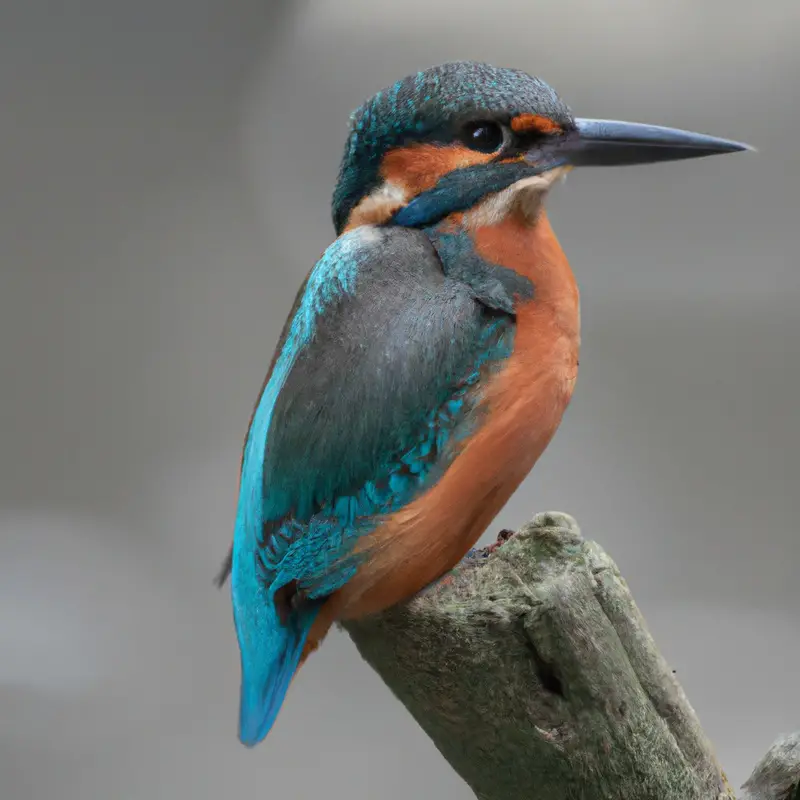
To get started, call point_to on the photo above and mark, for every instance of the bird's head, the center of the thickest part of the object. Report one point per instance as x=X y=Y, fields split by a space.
x=446 y=139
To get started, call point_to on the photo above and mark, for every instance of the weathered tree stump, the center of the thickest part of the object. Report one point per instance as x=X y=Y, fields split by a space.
x=533 y=672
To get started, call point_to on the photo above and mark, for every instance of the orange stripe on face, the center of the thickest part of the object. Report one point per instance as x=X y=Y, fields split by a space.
x=535 y=123
x=419 y=167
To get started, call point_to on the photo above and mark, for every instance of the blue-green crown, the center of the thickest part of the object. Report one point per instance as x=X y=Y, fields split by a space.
x=433 y=104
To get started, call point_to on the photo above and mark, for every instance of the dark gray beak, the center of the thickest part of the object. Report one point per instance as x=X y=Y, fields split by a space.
x=609 y=143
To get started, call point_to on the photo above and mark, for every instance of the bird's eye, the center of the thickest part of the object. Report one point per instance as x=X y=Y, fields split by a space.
x=486 y=137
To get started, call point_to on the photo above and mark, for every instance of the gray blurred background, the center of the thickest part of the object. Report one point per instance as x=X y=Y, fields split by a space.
x=165 y=172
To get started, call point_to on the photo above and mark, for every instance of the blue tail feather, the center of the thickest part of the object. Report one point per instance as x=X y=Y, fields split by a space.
x=270 y=653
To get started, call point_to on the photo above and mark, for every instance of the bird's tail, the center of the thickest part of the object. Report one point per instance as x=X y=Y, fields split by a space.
x=270 y=649
x=270 y=654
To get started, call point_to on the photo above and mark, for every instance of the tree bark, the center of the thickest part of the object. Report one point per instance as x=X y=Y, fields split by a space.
x=533 y=672
x=777 y=776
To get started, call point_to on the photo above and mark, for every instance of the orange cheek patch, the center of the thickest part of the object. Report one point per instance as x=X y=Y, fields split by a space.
x=535 y=123
x=419 y=167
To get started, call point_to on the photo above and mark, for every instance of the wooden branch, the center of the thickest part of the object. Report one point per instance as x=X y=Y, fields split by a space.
x=532 y=670
x=777 y=776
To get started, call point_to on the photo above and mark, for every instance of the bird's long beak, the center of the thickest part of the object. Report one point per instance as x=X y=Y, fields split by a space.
x=609 y=143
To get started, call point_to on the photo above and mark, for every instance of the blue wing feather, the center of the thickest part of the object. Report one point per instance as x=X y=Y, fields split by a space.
x=374 y=385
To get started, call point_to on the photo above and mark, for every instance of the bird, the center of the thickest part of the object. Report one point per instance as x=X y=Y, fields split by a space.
x=426 y=363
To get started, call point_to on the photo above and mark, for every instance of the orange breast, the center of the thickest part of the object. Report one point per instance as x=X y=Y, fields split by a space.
x=525 y=402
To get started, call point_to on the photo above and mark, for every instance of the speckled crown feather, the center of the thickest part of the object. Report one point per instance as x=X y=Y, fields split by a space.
x=429 y=105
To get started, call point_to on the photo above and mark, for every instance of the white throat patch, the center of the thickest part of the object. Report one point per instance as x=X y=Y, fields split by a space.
x=525 y=197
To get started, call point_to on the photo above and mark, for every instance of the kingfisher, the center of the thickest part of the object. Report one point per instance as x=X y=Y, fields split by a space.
x=426 y=363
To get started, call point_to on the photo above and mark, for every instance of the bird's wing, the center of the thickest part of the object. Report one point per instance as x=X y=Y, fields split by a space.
x=372 y=384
